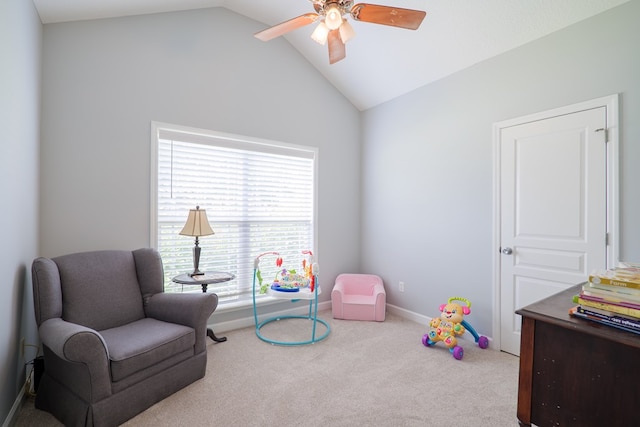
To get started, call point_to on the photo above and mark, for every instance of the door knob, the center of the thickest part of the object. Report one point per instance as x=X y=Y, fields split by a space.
x=507 y=251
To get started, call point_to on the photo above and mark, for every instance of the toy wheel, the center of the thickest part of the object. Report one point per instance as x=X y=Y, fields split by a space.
x=426 y=341
x=483 y=342
x=458 y=352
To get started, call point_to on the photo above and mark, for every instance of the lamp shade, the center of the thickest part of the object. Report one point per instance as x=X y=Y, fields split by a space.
x=333 y=17
x=197 y=223
x=346 y=31
x=320 y=34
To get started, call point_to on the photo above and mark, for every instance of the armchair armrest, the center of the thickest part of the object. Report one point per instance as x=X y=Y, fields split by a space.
x=381 y=301
x=336 y=299
x=81 y=357
x=191 y=310
x=337 y=291
x=378 y=289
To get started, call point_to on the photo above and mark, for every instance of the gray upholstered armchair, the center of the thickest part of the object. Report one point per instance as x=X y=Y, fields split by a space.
x=114 y=342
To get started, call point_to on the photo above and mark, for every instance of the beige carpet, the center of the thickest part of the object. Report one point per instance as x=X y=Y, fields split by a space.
x=362 y=374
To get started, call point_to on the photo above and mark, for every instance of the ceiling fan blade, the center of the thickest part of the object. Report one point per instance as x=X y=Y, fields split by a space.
x=387 y=15
x=337 y=50
x=287 y=26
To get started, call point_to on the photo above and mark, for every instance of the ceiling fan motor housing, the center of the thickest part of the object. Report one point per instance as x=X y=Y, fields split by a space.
x=321 y=6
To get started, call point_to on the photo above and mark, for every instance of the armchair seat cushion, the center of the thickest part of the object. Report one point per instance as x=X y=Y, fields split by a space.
x=357 y=299
x=146 y=342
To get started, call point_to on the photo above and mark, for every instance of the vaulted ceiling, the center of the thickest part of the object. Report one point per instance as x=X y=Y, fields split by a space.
x=382 y=62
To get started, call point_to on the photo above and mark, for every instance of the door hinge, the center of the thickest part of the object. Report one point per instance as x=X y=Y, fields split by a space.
x=606 y=239
x=606 y=133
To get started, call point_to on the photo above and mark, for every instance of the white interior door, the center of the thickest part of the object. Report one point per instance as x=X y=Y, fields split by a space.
x=552 y=208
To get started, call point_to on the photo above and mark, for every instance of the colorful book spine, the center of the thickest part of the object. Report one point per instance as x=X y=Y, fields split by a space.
x=624 y=278
x=610 y=313
x=618 y=320
x=629 y=294
x=574 y=311
x=610 y=300
x=615 y=308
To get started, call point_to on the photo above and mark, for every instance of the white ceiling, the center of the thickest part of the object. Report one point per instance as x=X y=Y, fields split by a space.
x=382 y=62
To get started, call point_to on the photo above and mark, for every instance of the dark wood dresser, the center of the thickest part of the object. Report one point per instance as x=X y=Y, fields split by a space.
x=574 y=372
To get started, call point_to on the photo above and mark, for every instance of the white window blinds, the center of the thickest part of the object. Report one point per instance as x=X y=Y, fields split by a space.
x=259 y=196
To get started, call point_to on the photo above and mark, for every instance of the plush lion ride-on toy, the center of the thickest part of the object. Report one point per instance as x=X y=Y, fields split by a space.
x=451 y=324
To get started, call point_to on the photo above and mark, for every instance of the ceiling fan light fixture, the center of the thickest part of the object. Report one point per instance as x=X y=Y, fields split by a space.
x=333 y=17
x=320 y=34
x=346 y=31
x=333 y=28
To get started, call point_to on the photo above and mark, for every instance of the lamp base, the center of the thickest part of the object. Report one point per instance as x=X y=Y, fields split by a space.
x=196 y=260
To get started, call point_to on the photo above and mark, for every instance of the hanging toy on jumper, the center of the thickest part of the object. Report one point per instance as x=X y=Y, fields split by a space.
x=451 y=324
x=307 y=267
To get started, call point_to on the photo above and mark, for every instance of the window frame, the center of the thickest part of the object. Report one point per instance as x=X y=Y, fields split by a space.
x=231 y=141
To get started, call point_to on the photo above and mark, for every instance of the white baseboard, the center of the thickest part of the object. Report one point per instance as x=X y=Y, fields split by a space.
x=245 y=322
x=409 y=315
x=11 y=416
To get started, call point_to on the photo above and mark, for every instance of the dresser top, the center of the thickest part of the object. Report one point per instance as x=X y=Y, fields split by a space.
x=555 y=310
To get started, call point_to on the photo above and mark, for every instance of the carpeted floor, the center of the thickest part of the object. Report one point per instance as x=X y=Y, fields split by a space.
x=363 y=373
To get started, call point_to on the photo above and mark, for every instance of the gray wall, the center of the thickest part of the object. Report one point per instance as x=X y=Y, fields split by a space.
x=428 y=160
x=20 y=49
x=104 y=81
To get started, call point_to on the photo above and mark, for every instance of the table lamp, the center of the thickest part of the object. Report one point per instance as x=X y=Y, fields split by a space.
x=197 y=225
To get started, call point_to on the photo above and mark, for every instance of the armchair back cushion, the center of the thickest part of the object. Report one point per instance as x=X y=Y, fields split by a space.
x=101 y=289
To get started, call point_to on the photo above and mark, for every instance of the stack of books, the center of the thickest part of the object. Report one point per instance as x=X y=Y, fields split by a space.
x=612 y=298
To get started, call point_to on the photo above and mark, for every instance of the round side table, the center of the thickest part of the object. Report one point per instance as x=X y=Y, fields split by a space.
x=208 y=278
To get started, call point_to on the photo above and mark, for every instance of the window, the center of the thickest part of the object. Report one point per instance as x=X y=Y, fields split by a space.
x=259 y=196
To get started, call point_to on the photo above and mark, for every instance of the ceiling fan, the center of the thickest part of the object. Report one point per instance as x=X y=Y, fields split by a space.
x=335 y=28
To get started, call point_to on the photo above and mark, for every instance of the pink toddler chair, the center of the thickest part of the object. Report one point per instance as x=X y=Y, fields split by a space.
x=358 y=297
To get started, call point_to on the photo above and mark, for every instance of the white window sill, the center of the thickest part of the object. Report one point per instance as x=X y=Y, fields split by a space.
x=236 y=303
x=228 y=305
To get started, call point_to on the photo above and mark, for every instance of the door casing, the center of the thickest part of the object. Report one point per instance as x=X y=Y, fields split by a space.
x=611 y=104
